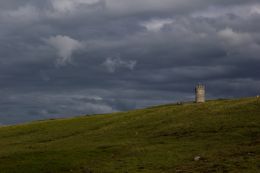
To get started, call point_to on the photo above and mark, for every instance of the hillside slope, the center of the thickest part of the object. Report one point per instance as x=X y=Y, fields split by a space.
x=224 y=133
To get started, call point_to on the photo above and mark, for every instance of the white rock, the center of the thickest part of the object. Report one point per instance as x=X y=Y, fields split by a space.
x=197 y=158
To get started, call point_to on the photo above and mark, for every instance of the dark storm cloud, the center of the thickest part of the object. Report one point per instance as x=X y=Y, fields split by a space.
x=60 y=58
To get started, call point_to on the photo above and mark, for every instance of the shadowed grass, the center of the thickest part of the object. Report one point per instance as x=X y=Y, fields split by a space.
x=224 y=133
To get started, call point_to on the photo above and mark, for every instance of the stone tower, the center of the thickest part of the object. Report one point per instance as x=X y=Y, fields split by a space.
x=200 y=93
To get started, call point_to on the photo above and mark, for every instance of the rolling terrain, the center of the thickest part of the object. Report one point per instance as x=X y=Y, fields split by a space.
x=218 y=136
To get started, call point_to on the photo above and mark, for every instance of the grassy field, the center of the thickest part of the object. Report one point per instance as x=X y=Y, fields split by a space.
x=225 y=134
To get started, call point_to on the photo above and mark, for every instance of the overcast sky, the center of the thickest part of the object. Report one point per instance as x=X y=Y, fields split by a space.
x=60 y=58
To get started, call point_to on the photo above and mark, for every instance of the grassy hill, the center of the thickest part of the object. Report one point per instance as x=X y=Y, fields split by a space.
x=225 y=134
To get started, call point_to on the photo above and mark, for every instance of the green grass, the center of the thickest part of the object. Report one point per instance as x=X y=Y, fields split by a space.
x=163 y=139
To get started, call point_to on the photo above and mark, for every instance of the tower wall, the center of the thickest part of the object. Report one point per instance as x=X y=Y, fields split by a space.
x=200 y=93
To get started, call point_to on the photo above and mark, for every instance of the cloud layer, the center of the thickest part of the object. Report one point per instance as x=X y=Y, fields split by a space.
x=60 y=58
x=112 y=64
x=65 y=46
